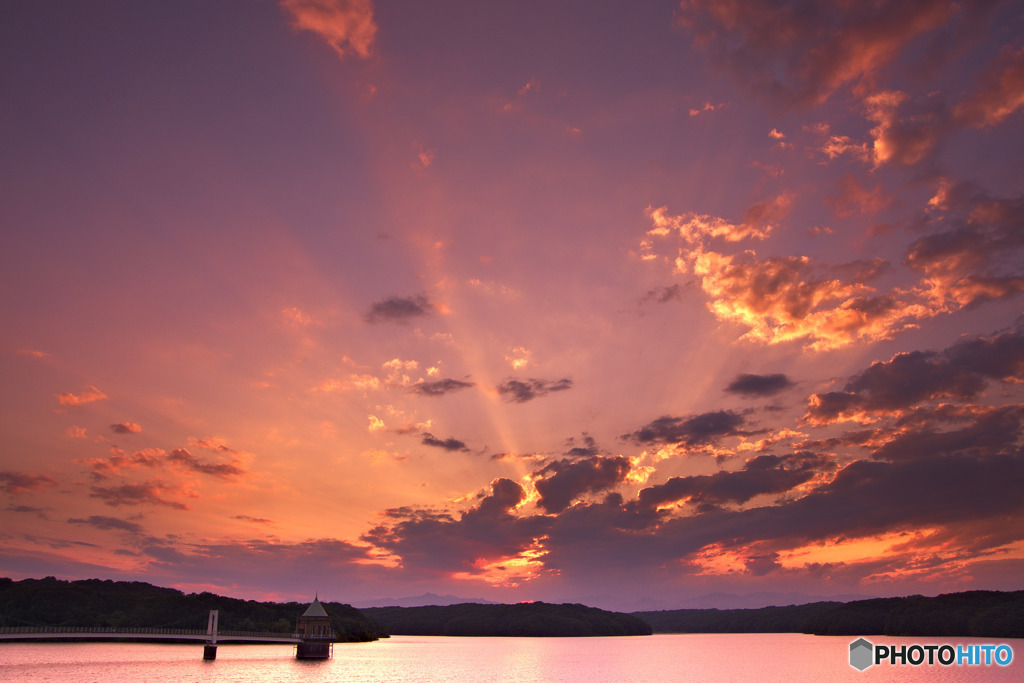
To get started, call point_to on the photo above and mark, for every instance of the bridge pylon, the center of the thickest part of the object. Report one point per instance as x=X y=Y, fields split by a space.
x=210 y=649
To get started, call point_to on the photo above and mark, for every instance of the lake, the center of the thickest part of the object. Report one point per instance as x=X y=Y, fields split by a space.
x=664 y=657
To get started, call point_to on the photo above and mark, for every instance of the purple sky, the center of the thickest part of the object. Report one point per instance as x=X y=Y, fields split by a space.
x=622 y=303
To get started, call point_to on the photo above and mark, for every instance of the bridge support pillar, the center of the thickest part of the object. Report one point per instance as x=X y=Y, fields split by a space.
x=210 y=649
x=314 y=649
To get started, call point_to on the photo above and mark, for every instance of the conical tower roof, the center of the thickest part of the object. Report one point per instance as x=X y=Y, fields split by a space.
x=315 y=609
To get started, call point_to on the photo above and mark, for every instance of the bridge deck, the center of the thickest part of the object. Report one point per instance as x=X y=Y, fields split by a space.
x=184 y=635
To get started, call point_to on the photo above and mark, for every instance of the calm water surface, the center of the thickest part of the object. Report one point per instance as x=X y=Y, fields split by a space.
x=691 y=657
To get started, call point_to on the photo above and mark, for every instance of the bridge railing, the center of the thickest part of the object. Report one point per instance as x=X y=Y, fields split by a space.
x=255 y=634
x=99 y=630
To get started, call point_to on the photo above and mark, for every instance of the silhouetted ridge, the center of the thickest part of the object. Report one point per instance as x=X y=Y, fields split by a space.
x=131 y=604
x=982 y=614
x=523 y=619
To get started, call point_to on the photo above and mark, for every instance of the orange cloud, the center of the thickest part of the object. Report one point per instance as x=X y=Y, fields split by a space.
x=531 y=86
x=425 y=156
x=91 y=394
x=294 y=316
x=854 y=198
x=694 y=227
x=973 y=256
x=1001 y=93
x=353 y=383
x=790 y=298
x=398 y=371
x=347 y=26
x=905 y=132
x=708 y=106
x=838 y=145
x=518 y=357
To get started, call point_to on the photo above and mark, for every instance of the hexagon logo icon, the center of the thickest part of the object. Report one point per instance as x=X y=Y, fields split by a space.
x=861 y=654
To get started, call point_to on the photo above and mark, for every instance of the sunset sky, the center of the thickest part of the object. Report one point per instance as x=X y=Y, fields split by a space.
x=623 y=303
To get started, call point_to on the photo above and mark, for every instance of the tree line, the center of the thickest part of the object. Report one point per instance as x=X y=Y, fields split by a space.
x=981 y=614
x=536 y=619
x=135 y=604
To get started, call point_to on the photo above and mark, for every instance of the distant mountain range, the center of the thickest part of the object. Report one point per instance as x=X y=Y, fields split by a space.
x=713 y=601
x=608 y=602
x=425 y=600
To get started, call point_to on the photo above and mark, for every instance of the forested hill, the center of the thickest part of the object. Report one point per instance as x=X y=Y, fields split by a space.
x=990 y=614
x=523 y=619
x=92 y=602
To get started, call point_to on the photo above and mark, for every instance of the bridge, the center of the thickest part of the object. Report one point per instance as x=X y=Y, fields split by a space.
x=210 y=638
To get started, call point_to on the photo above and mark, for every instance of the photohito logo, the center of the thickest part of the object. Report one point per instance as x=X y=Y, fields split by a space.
x=863 y=653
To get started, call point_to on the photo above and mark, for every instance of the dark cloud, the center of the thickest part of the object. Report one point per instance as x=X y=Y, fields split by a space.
x=1000 y=92
x=182 y=457
x=688 y=431
x=588 y=449
x=758 y=385
x=799 y=51
x=58 y=543
x=254 y=520
x=663 y=295
x=874 y=497
x=958 y=493
x=521 y=391
x=505 y=495
x=20 y=482
x=759 y=565
x=418 y=513
x=398 y=309
x=995 y=430
x=447 y=444
x=155 y=458
x=125 y=428
x=39 y=512
x=440 y=543
x=761 y=474
x=212 y=444
x=147 y=493
x=975 y=249
x=440 y=387
x=958 y=372
x=563 y=481
x=108 y=523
